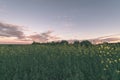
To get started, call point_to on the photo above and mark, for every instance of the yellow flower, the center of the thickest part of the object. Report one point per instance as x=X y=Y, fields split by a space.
x=115 y=61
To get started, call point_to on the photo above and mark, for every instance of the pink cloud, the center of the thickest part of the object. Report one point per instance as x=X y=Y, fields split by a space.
x=10 y=33
x=43 y=37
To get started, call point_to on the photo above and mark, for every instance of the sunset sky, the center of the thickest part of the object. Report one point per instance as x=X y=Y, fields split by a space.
x=49 y=20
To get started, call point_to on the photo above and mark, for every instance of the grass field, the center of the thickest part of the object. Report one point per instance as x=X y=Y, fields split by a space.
x=60 y=62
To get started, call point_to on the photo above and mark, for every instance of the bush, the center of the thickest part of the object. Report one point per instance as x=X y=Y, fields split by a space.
x=86 y=43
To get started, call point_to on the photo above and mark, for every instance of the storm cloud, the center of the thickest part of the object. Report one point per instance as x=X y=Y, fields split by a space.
x=10 y=30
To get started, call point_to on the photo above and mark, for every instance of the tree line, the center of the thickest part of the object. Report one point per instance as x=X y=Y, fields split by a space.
x=76 y=43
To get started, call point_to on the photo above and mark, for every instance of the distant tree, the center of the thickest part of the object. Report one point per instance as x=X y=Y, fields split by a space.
x=76 y=43
x=52 y=43
x=64 y=42
x=85 y=43
x=105 y=43
x=34 y=43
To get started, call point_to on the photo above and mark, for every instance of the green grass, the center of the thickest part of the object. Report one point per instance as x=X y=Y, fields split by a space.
x=59 y=62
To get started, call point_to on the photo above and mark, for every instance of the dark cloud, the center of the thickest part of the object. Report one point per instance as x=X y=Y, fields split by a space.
x=43 y=37
x=10 y=30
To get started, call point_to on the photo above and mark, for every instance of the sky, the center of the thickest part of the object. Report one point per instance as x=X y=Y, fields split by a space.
x=49 y=20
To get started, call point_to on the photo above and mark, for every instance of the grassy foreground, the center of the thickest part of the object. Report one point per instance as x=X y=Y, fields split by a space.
x=60 y=62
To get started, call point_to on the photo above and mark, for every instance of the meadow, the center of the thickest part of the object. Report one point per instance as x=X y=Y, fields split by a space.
x=60 y=62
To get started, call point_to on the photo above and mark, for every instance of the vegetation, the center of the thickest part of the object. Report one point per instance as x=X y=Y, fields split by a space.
x=60 y=61
x=86 y=43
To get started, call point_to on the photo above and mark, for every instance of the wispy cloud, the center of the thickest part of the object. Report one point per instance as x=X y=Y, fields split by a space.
x=11 y=33
x=16 y=32
x=109 y=38
x=10 y=30
x=43 y=37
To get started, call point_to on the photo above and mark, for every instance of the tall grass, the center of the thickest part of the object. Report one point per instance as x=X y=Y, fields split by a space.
x=59 y=62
